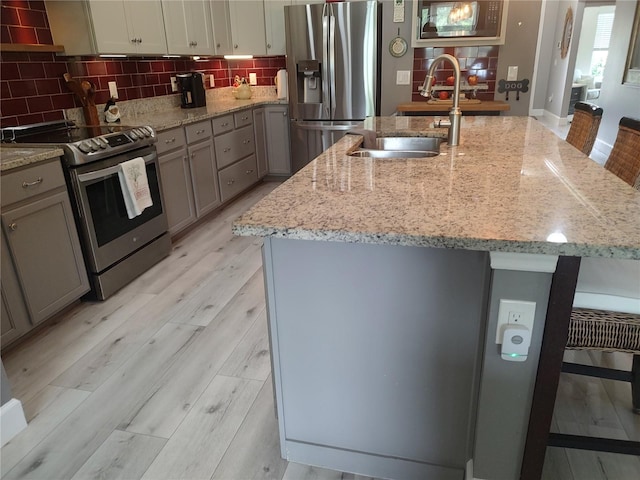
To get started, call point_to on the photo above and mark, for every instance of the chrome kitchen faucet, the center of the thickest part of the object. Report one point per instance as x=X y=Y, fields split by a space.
x=455 y=114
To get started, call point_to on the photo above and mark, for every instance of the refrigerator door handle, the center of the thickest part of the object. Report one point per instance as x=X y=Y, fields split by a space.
x=326 y=12
x=332 y=62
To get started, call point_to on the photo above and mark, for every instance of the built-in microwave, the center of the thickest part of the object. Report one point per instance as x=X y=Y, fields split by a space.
x=449 y=20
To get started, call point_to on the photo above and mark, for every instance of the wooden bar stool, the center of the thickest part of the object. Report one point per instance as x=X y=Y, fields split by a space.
x=624 y=160
x=584 y=126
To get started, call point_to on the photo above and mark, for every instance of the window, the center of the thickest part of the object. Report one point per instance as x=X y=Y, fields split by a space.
x=604 y=25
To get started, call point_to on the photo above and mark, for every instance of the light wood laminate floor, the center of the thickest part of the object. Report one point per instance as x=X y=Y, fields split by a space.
x=170 y=379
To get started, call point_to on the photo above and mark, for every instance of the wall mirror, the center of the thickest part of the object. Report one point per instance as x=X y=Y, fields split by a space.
x=632 y=69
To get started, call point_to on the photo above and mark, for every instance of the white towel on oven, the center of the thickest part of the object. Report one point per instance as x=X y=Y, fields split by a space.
x=135 y=186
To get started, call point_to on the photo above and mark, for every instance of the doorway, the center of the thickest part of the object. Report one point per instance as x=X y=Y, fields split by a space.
x=592 y=52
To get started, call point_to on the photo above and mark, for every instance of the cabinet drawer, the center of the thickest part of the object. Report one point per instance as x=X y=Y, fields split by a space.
x=243 y=118
x=233 y=146
x=222 y=124
x=237 y=177
x=170 y=140
x=198 y=131
x=32 y=181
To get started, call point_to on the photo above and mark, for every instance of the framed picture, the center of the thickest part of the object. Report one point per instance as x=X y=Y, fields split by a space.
x=566 y=33
x=632 y=69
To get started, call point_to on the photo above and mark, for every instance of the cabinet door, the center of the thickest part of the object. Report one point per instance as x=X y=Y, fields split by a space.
x=204 y=177
x=147 y=24
x=221 y=27
x=260 y=133
x=177 y=190
x=110 y=27
x=278 y=151
x=15 y=318
x=274 y=26
x=247 y=27
x=46 y=253
x=188 y=27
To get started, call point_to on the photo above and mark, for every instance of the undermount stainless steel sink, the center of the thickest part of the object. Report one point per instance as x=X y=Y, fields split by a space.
x=401 y=147
x=409 y=143
x=373 y=153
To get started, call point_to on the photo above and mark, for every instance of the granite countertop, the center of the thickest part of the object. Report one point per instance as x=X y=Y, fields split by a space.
x=145 y=113
x=14 y=157
x=175 y=117
x=511 y=185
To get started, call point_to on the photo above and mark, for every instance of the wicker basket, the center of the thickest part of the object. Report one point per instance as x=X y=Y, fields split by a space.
x=604 y=330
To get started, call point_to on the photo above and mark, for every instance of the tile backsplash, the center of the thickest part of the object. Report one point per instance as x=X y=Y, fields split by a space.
x=481 y=61
x=33 y=90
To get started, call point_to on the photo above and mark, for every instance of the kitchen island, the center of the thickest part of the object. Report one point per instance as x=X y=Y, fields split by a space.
x=383 y=281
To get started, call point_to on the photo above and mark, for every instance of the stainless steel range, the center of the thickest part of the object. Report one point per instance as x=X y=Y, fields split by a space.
x=116 y=249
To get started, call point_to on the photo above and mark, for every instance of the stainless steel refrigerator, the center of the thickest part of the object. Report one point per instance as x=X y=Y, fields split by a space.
x=333 y=68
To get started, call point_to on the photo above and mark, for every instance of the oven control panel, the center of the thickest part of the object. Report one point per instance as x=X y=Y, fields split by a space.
x=110 y=144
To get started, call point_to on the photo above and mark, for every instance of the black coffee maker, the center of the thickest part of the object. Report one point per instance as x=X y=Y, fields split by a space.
x=192 y=88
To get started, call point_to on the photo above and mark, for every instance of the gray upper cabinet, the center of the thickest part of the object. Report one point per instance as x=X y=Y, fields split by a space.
x=274 y=26
x=221 y=27
x=247 y=27
x=86 y=27
x=188 y=26
x=41 y=237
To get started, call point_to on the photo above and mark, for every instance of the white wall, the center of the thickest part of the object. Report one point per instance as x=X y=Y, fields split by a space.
x=587 y=37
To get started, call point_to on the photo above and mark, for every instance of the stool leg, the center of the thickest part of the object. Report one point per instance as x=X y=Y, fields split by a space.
x=635 y=384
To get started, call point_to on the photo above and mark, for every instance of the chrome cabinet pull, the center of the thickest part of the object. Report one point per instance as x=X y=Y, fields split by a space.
x=193 y=155
x=225 y=124
x=13 y=226
x=171 y=140
x=231 y=182
x=235 y=46
x=31 y=184
x=249 y=172
x=198 y=132
x=217 y=45
x=227 y=150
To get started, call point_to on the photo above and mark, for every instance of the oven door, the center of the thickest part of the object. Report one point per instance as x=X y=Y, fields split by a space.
x=108 y=232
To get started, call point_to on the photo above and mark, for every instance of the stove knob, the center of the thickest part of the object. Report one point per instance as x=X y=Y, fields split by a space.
x=84 y=146
x=102 y=142
x=133 y=135
x=147 y=131
x=95 y=143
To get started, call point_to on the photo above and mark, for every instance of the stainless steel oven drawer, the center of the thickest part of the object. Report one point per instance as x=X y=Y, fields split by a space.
x=237 y=177
x=29 y=182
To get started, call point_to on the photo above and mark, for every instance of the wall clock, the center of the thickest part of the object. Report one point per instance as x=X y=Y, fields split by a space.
x=398 y=47
x=566 y=33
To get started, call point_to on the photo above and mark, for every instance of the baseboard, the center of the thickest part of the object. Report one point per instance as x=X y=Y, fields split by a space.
x=603 y=147
x=12 y=420
x=536 y=112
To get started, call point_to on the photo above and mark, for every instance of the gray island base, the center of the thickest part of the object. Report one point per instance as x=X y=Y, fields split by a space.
x=385 y=362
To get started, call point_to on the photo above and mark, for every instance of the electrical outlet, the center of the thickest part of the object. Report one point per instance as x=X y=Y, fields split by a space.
x=514 y=312
x=403 y=77
x=113 y=89
x=512 y=73
x=253 y=79
x=174 y=84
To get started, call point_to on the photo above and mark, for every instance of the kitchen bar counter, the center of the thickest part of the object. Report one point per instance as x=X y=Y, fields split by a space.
x=511 y=186
x=384 y=280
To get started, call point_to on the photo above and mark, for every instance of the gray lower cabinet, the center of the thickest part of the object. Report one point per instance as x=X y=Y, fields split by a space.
x=203 y=167
x=235 y=152
x=175 y=175
x=260 y=133
x=276 y=119
x=188 y=173
x=40 y=246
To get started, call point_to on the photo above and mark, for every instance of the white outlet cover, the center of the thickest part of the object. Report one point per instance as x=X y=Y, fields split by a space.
x=113 y=89
x=403 y=77
x=512 y=73
x=527 y=309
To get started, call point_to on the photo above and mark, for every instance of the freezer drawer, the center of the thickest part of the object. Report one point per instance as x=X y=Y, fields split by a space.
x=310 y=139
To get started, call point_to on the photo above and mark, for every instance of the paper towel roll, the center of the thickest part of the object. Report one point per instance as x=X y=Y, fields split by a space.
x=281 y=84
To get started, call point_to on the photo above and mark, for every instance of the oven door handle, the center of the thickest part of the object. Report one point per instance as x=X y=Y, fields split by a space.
x=105 y=172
